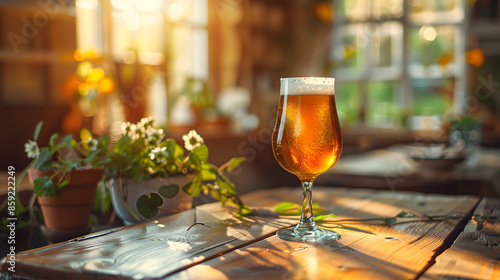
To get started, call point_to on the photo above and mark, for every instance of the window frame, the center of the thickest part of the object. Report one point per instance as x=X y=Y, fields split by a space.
x=404 y=94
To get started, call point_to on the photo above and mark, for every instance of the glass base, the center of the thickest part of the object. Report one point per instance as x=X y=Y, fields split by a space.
x=308 y=234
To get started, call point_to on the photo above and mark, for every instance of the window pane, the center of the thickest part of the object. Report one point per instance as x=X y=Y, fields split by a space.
x=189 y=50
x=434 y=11
x=386 y=9
x=432 y=97
x=432 y=49
x=382 y=110
x=432 y=6
x=386 y=44
x=359 y=10
x=354 y=42
x=348 y=102
x=350 y=55
x=356 y=9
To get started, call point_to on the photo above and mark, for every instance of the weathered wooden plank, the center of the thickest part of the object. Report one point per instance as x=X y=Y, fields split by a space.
x=475 y=254
x=224 y=244
x=157 y=248
x=366 y=250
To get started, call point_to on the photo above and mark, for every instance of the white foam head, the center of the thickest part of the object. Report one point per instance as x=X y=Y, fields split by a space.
x=307 y=85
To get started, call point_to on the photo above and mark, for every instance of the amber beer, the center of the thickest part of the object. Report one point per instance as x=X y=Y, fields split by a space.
x=307 y=139
x=307 y=142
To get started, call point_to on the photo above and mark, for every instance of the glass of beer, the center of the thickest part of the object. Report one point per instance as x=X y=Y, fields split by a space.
x=307 y=141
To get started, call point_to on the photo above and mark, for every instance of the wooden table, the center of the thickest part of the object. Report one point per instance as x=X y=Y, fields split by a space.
x=391 y=168
x=209 y=243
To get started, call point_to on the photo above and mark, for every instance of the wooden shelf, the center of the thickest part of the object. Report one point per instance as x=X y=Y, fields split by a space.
x=53 y=9
x=49 y=57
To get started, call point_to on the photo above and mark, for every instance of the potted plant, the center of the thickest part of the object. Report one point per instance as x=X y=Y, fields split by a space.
x=153 y=176
x=64 y=175
x=465 y=135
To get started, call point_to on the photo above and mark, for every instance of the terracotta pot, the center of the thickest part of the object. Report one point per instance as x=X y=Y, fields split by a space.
x=132 y=191
x=71 y=208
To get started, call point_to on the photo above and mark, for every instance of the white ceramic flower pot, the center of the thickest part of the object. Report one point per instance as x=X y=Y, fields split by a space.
x=132 y=191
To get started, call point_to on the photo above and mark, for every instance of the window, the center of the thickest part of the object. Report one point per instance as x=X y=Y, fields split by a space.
x=398 y=62
x=156 y=47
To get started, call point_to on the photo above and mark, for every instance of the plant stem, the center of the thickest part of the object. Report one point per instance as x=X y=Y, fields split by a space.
x=31 y=204
x=122 y=189
x=222 y=166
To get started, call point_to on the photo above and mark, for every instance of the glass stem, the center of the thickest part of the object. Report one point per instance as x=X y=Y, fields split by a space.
x=307 y=218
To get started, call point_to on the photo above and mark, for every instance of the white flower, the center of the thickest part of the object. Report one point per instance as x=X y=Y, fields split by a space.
x=160 y=134
x=130 y=129
x=93 y=144
x=31 y=148
x=145 y=121
x=124 y=127
x=133 y=128
x=152 y=154
x=133 y=136
x=192 y=140
x=158 y=151
x=154 y=136
x=150 y=133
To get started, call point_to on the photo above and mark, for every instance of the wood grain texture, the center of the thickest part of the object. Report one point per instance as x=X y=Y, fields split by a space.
x=209 y=243
x=151 y=250
x=365 y=251
x=475 y=254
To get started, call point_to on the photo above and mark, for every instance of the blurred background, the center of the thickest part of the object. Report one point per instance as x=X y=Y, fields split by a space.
x=403 y=68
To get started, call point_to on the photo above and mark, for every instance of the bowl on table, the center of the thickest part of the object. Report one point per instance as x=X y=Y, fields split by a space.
x=436 y=156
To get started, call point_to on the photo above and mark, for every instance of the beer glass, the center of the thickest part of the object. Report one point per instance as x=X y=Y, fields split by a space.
x=307 y=141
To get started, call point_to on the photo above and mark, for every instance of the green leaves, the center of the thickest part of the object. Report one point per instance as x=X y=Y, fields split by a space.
x=68 y=140
x=52 y=157
x=404 y=214
x=211 y=180
x=194 y=187
x=147 y=204
x=244 y=211
x=294 y=209
x=62 y=155
x=37 y=130
x=389 y=220
x=139 y=155
x=102 y=203
x=39 y=185
x=227 y=190
x=208 y=172
x=322 y=217
x=234 y=163
x=43 y=161
x=199 y=155
x=288 y=208
x=53 y=138
x=44 y=186
x=169 y=191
